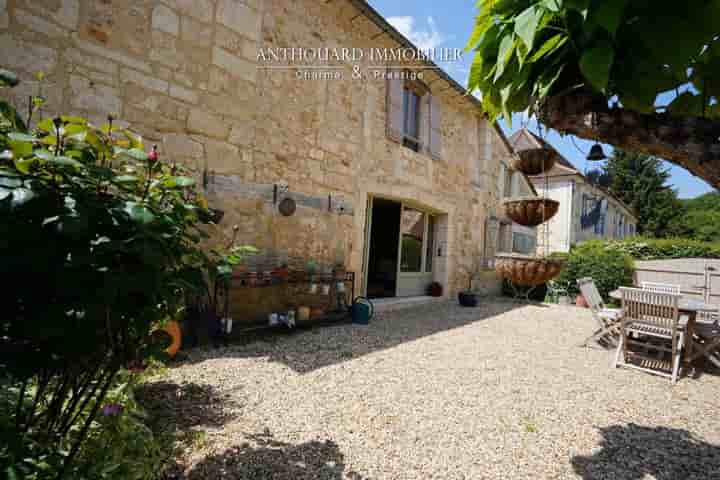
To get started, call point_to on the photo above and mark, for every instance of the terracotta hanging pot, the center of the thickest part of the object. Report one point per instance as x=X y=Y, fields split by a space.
x=530 y=212
x=534 y=161
x=527 y=270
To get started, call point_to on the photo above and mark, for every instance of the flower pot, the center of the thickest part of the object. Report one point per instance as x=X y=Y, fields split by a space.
x=580 y=301
x=435 y=290
x=468 y=299
x=316 y=313
x=530 y=212
x=339 y=273
x=282 y=273
x=173 y=329
x=534 y=161
x=527 y=270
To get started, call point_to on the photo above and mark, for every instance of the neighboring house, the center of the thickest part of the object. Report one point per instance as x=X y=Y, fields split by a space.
x=393 y=175
x=587 y=212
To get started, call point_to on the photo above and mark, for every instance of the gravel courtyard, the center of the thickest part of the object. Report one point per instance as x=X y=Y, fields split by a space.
x=502 y=391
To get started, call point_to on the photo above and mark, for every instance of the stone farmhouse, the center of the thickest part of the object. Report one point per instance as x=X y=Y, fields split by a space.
x=393 y=168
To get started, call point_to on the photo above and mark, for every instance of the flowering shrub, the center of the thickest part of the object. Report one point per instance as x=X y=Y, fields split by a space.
x=99 y=242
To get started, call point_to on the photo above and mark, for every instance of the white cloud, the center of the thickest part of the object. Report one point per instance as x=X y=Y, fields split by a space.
x=424 y=36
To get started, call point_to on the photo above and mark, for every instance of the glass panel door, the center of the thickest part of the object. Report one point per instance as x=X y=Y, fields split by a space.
x=413 y=231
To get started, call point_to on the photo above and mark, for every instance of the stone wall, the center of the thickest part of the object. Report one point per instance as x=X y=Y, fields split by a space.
x=183 y=74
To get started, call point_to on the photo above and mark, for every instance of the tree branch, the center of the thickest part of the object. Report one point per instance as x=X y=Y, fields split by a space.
x=690 y=142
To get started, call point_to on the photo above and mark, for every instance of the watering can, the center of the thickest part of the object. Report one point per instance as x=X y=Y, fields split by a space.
x=362 y=311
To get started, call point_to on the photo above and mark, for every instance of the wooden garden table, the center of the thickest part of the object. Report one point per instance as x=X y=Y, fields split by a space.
x=691 y=307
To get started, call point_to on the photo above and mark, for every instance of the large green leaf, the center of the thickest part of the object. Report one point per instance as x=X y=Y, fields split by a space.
x=595 y=65
x=550 y=45
x=608 y=14
x=580 y=6
x=504 y=55
x=526 y=25
x=139 y=213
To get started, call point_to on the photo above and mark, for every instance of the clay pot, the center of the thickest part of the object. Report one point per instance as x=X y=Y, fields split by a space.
x=531 y=212
x=317 y=312
x=534 y=161
x=173 y=329
x=527 y=270
x=581 y=302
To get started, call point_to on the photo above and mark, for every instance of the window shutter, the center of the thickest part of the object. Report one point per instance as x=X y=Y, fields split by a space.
x=425 y=124
x=394 y=102
x=435 y=143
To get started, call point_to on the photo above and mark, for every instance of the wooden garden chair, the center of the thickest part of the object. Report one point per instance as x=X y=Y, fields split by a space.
x=607 y=319
x=649 y=315
x=661 y=287
x=707 y=337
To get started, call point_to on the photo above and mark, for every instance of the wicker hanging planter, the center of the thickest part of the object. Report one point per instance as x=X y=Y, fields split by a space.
x=527 y=270
x=534 y=161
x=531 y=211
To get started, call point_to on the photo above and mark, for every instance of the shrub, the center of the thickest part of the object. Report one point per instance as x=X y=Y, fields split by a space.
x=609 y=267
x=99 y=242
x=656 y=249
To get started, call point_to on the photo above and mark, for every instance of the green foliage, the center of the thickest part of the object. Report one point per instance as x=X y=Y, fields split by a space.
x=609 y=267
x=640 y=181
x=699 y=218
x=664 y=248
x=100 y=245
x=528 y=50
x=119 y=444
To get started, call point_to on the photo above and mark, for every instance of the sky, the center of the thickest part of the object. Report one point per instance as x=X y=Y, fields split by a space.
x=447 y=24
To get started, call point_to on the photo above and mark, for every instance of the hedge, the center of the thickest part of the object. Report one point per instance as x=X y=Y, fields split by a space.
x=610 y=263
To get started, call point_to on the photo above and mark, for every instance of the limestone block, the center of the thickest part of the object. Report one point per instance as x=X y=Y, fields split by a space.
x=183 y=93
x=195 y=32
x=100 y=77
x=239 y=17
x=152 y=83
x=100 y=50
x=65 y=12
x=233 y=64
x=200 y=9
x=78 y=57
x=38 y=24
x=221 y=156
x=30 y=57
x=165 y=20
x=164 y=50
x=95 y=97
x=232 y=42
x=181 y=145
x=229 y=105
x=242 y=133
x=206 y=123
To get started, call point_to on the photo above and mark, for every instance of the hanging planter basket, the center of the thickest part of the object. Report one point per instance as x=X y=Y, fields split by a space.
x=527 y=270
x=534 y=161
x=531 y=211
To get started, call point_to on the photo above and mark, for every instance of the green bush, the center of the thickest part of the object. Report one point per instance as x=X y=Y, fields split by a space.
x=657 y=249
x=608 y=266
x=100 y=243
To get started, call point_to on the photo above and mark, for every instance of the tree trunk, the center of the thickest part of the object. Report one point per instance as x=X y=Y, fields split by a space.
x=690 y=142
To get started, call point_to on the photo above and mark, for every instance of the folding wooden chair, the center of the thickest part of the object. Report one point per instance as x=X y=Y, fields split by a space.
x=651 y=315
x=661 y=287
x=707 y=337
x=607 y=319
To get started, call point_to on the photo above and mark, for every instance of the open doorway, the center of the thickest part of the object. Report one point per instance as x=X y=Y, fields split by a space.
x=383 y=250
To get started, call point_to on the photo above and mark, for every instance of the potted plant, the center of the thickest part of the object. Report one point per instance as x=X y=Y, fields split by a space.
x=311 y=269
x=435 y=289
x=469 y=298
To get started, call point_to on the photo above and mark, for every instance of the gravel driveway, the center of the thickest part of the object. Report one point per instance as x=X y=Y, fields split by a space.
x=502 y=391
